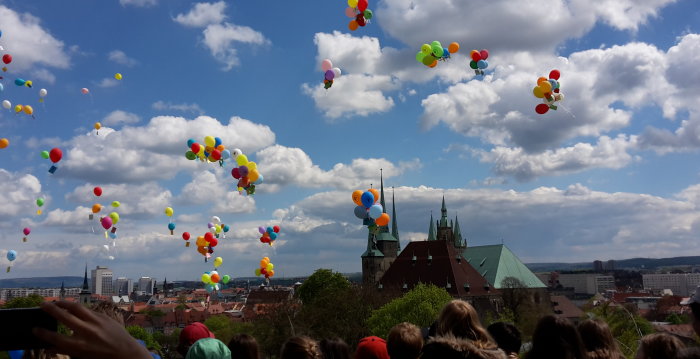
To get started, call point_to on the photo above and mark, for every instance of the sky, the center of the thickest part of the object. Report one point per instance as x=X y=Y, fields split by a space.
x=614 y=173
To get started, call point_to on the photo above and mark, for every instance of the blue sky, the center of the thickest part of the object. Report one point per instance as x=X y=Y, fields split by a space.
x=613 y=174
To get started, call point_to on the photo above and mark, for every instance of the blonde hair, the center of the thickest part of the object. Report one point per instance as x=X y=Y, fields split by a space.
x=301 y=347
x=405 y=340
x=460 y=319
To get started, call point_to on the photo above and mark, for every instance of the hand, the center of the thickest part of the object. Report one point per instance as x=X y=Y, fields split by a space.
x=95 y=335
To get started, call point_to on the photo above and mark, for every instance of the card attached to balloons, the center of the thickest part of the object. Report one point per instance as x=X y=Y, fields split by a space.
x=22 y=321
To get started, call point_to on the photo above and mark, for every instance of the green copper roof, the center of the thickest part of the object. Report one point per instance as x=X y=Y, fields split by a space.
x=457 y=233
x=372 y=250
x=431 y=230
x=496 y=262
x=443 y=217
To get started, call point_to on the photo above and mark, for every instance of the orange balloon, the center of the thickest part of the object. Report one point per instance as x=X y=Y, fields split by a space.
x=433 y=64
x=4 y=142
x=353 y=25
x=542 y=78
x=454 y=47
x=375 y=193
x=383 y=220
x=472 y=53
x=271 y=273
x=220 y=147
x=202 y=250
x=96 y=207
x=201 y=242
x=264 y=263
x=357 y=197
x=215 y=278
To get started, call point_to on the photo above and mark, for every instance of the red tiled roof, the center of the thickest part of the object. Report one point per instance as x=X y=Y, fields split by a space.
x=444 y=267
x=621 y=297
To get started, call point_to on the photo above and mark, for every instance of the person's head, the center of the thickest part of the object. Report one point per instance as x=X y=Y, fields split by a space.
x=597 y=337
x=404 y=341
x=371 y=348
x=689 y=353
x=507 y=336
x=243 y=346
x=694 y=303
x=556 y=338
x=659 y=346
x=191 y=334
x=461 y=320
x=334 y=348
x=300 y=347
x=208 y=348
x=110 y=309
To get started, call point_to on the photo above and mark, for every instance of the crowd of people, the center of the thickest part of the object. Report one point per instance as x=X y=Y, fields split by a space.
x=457 y=333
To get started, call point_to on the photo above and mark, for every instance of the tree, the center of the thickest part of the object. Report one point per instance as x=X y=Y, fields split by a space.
x=626 y=326
x=322 y=280
x=168 y=343
x=515 y=296
x=224 y=328
x=30 y=301
x=419 y=306
x=139 y=333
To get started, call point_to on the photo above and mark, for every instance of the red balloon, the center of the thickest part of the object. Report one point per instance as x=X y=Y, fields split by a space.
x=208 y=237
x=554 y=74
x=195 y=148
x=243 y=182
x=216 y=155
x=476 y=56
x=186 y=236
x=542 y=108
x=362 y=6
x=265 y=239
x=235 y=173
x=213 y=242
x=556 y=90
x=7 y=58
x=97 y=191
x=360 y=20
x=484 y=54
x=55 y=155
x=276 y=229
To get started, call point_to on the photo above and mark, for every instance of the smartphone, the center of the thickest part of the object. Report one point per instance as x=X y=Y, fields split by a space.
x=16 y=328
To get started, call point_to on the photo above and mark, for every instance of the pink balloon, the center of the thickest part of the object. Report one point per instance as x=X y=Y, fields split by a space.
x=484 y=54
x=84 y=90
x=326 y=65
x=26 y=231
x=350 y=12
x=106 y=222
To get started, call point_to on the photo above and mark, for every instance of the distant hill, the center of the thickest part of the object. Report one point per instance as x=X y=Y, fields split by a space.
x=632 y=264
x=41 y=282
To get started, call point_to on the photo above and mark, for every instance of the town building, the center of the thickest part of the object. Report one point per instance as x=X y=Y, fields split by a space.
x=123 y=286
x=101 y=281
x=682 y=284
x=582 y=283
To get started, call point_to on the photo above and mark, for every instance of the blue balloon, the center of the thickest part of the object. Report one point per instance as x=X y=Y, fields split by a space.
x=112 y=235
x=1 y=87
x=19 y=82
x=217 y=141
x=554 y=83
x=15 y=354
x=190 y=142
x=367 y=199
x=482 y=64
x=270 y=230
x=360 y=212
x=259 y=180
x=226 y=228
x=209 y=288
x=445 y=53
x=273 y=236
x=225 y=154
x=171 y=226
x=375 y=211
x=11 y=255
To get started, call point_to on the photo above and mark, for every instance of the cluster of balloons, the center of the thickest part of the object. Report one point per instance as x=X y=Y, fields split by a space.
x=109 y=221
x=171 y=226
x=368 y=208
x=29 y=110
x=266 y=268
x=430 y=54
x=26 y=232
x=22 y=82
x=216 y=227
x=330 y=73
x=212 y=150
x=549 y=91
x=359 y=13
x=11 y=256
x=39 y=202
x=212 y=279
x=207 y=242
x=478 y=62
x=269 y=234
x=246 y=173
x=54 y=155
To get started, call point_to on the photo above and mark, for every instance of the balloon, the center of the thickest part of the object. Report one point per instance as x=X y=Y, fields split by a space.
x=269 y=267
x=236 y=173
x=271 y=273
x=243 y=170
x=106 y=222
x=336 y=72
x=428 y=60
x=357 y=197
x=257 y=272
x=269 y=229
x=235 y=153
x=216 y=155
x=171 y=226
x=382 y=220
x=115 y=217
x=264 y=262
x=273 y=236
x=226 y=278
x=201 y=241
x=226 y=228
x=445 y=53
x=260 y=179
x=217 y=142
x=186 y=236
x=476 y=56
x=350 y=12
x=554 y=83
x=97 y=191
x=26 y=231
x=367 y=199
x=353 y=25
x=352 y=3
x=375 y=211
x=484 y=54
x=329 y=75
x=261 y=229
x=276 y=229
x=225 y=154
x=6 y=104
x=96 y=208
x=39 y=201
x=84 y=91
x=473 y=64
x=545 y=86
x=218 y=261
x=43 y=93
x=195 y=147
x=326 y=65
x=542 y=108
x=116 y=204
x=241 y=160
x=169 y=211
x=426 y=49
x=55 y=154
x=482 y=64
x=209 y=141
x=362 y=5
x=540 y=80
x=213 y=242
x=28 y=83
x=554 y=74
x=375 y=193
x=253 y=175
x=190 y=155
x=208 y=236
x=4 y=142
x=537 y=91
x=7 y=58
x=118 y=76
x=368 y=14
x=206 y=278
x=419 y=56
x=98 y=126
x=217 y=228
x=437 y=51
x=215 y=278
x=11 y=255
x=18 y=108
x=20 y=82
x=454 y=47
x=360 y=212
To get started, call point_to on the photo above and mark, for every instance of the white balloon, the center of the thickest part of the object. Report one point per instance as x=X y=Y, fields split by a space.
x=337 y=72
x=6 y=104
x=216 y=220
x=43 y=92
x=111 y=258
x=212 y=230
x=234 y=153
x=106 y=247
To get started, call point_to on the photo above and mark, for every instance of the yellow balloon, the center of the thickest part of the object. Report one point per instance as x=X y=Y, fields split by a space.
x=118 y=76
x=217 y=228
x=252 y=166
x=201 y=242
x=242 y=160
x=28 y=110
x=352 y=3
x=270 y=267
x=28 y=83
x=546 y=86
x=253 y=175
x=206 y=278
x=537 y=91
x=169 y=211
x=218 y=261
x=98 y=125
x=209 y=141
x=18 y=108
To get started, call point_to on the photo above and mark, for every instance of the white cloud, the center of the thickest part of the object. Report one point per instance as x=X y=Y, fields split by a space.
x=18 y=194
x=139 y=3
x=43 y=75
x=353 y=94
x=119 y=117
x=219 y=38
x=119 y=57
x=203 y=14
x=183 y=107
x=140 y=201
x=30 y=43
x=214 y=187
x=107 y=82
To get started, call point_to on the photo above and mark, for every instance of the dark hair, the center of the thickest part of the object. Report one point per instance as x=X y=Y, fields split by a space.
x=243 y=346
x=598 y=339
x=335 y=348
x=507 y=336
x=689 y=353
x=404 y=341
x=695 y=310
x=460 y=319
x=659 y=346
x=300 y=347
x=556 y=338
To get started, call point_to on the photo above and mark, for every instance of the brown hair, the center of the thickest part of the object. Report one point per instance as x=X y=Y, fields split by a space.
x=598 y=340
x=556 y=337
x=405 y=341
x=334 y=348
x=460 y=319
x=243 y=346
x=300 y=347
x=110 y=309
x=659 y=346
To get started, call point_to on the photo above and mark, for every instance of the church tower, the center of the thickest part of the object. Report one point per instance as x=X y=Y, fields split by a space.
x=85 y=293
x=382 y=246
x=62 y=292
x=444 y=229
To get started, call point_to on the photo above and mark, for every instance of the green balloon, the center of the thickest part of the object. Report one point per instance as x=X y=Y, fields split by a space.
x=436 y=43
x=39 y=202
x=367 y=14
x=437 y=50
x=426 y=49
x=472 y=64
x=45 y=154
x=226 y=278
x=419 y=56
x=190 y=155
x=116 y=204
x=115 y=217
x=428 y=60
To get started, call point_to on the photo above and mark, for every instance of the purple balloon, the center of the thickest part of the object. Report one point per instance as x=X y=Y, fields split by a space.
x=243 y=170
x=330 y=75
x=261 y=229
x=209 y=225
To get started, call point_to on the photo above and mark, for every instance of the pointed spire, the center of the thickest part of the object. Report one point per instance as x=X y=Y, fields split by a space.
x=394 y=224
x=381 y=190
x=63 y=287
x=458 y=234
x=443 y=217
x=85 y=280
x=431 y=230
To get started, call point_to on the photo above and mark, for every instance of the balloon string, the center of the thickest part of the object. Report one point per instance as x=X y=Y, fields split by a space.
x=567 y=110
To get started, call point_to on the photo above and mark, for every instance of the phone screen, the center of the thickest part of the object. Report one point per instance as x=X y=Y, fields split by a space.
x=16 y=328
